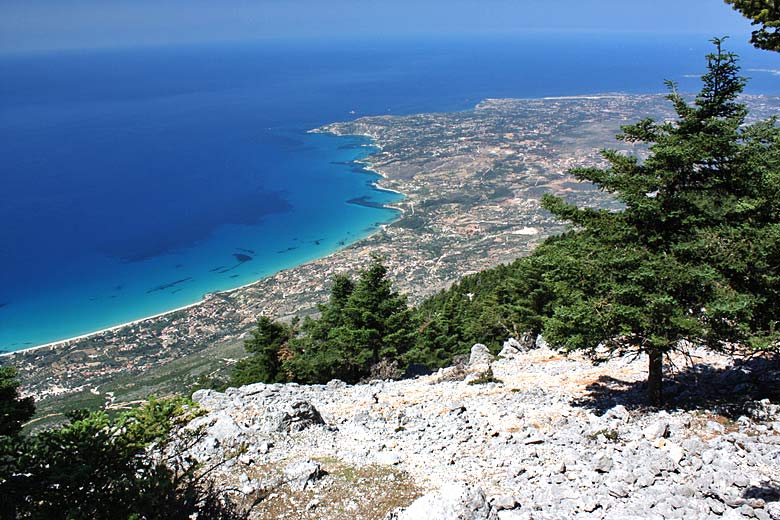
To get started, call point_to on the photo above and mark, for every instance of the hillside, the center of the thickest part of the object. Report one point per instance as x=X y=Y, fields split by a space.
x=558 y=437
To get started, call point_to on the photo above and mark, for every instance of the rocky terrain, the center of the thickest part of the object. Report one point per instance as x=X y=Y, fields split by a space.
x=538 y=436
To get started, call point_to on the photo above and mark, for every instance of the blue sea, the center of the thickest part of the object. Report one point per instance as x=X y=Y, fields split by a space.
x=134 y=181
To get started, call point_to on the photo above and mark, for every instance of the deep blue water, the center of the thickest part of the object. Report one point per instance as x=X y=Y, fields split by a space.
x=135 y=181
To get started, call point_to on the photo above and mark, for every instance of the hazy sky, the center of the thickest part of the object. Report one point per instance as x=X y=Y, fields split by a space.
x=62 y=24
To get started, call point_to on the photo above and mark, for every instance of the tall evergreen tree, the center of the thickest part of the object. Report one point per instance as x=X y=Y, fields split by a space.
x=363 y=323
x=263 y=364
x=649 y=277
x=766 y=15
x=14 y=410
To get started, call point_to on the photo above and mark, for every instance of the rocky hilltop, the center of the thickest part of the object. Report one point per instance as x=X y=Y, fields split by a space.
x=538 y=436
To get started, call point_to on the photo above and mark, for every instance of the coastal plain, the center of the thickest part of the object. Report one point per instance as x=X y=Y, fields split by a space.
x=472 y=182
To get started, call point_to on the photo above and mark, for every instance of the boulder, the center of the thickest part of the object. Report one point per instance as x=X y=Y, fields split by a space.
x=656 y=430
x=300 y=475
x=480 y=355
x=510 y=349
x=456 y=500
x=602 y=462
x=299 y=416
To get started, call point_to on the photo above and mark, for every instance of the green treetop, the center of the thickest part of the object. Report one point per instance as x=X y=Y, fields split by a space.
x=657 y=273
x=14 y=410
x=766 y=15
x=264 y=363
x=364 y=323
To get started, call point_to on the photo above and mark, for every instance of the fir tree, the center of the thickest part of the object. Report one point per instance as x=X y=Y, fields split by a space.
x=766 y=15
x=14 y=410
x=658 y=273
x=263 y=364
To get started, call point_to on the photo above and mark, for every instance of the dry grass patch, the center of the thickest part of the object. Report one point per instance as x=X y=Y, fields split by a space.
x=346 y=492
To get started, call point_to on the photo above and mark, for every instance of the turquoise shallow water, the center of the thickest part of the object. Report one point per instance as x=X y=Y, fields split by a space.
x=135 y=181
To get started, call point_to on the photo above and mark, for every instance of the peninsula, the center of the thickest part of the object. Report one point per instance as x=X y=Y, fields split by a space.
x=472 y=182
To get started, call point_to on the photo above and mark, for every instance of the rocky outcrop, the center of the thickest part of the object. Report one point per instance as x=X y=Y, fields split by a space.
x=480 y=355
x=456 y=500
x=551 y=441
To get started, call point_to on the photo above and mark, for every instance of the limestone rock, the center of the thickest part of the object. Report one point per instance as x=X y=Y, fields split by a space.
x=502 y=502
x=602 y=462
x=300 y=475
x=656 y=430
x=480 y=355
x=510 y=348
x=455 y=500
x=299 y=416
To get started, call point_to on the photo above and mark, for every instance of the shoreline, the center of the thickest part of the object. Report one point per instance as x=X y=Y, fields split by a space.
x=362 y=162
x=475 y=178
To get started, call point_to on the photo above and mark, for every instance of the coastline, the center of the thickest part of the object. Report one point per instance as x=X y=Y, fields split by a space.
x=472 y=182
x=364 y=164
x=64 y=342
x=452 y=222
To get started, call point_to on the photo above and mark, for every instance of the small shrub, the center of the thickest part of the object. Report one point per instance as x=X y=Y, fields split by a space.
x=609 y=434
x=486 y=377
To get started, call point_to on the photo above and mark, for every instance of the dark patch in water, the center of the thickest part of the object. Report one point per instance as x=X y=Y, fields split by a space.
x=150 y=239
x=3 y=305
x=366 y=202
x=168 y=285
x=245 y=250
x=240 y=257
x=234 y=276
x=291 y=248
x=178 y=266
x=217 y=269
x=118 y=288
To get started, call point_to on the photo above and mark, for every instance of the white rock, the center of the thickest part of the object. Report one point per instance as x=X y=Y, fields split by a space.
x=675 y=451
x=456 y=500
x=299 y=475
x=480 y=355
x=388 y=458
x=656 y=430
x=602 y=462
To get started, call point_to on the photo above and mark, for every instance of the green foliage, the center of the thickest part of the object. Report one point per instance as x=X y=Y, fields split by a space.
x=98 y=467
x=766 y=15
x=363 y=323
x=487 y=307
x=693 y=256
x=607 y=433
x=14 y=410
x=263 y=364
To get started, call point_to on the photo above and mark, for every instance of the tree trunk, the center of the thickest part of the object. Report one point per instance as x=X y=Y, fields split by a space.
x=655 y=377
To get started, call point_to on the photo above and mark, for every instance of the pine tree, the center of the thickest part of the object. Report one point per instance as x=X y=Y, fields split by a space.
x=363 y=323
x=657 y=273
x=14 y=410
x=766 y=14
x=263 y=365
